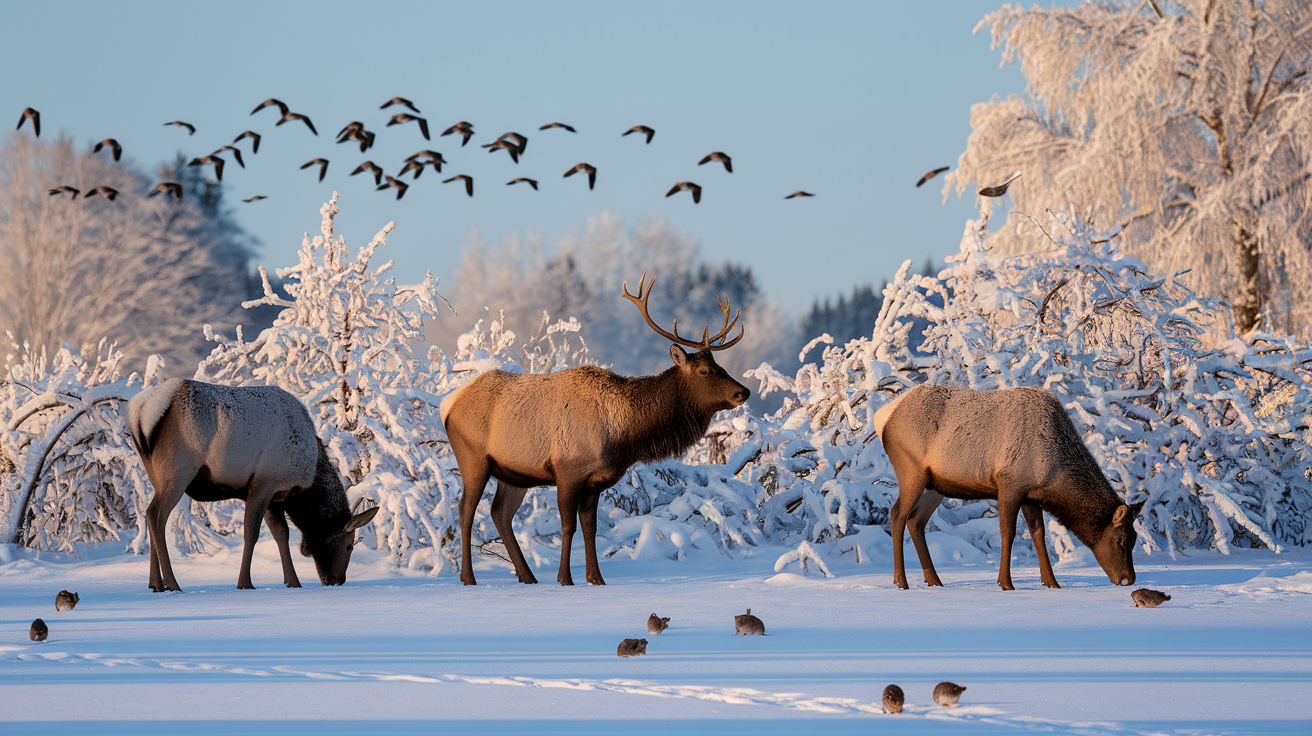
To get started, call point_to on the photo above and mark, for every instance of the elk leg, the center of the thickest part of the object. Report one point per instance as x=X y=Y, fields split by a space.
x=1008 y=509
x=909 y=490
x=474 y=475
x=505 y=503
x=277 y=522
x=588 y=520
x=920 y=514
x=257 y=503
x=1034 y=520
x=567 y=500
x=167 y=495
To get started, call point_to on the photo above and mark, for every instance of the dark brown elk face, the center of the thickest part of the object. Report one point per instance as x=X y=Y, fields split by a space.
x=710 y=386
x=332 y=552
x=1115 y=551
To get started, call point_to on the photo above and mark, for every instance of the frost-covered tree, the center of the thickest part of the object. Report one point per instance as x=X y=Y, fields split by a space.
x=1187 y=122
x=143 y=272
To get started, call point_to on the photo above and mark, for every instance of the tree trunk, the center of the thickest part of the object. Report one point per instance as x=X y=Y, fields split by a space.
x=1250 y=300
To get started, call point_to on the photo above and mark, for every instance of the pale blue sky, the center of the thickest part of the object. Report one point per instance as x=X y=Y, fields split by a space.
x=851 y=101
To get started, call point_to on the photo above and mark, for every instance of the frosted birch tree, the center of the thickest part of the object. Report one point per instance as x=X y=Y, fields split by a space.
x=1188 y=123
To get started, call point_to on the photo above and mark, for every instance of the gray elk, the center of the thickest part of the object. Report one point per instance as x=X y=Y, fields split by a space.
x=580 y=429
x=256 y=443
x=1013 y=445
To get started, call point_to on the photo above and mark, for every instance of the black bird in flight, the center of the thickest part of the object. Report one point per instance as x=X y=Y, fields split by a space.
x=210 y=159
x=505 y=145
x=323 y=166
x=434 y=158
x=570 y=128
x=255 y=137
x=462 y=128
x=372 y=168
x=931 y=174
x=640 y=129
x=416 y=166
x=469 y=183
x=400 y=186
x=109 y=192
x=191 y=129
x=999 y=190
x=113 y=146
x=166 y=187
x=399 y=101
x=353 y=125
x=30 y=114
x=686 y=186
x=364 y=137
x=405 y=117
x=236 y=153
x=288 y=117
x=521 y=142
x=531 y=182
x=718 y=156
x=256 y=198
x=580 y=168
x=271 y=102
x=799 y=193
x=65 y=188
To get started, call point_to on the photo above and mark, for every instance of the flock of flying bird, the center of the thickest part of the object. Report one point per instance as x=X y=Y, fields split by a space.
x=512 y=143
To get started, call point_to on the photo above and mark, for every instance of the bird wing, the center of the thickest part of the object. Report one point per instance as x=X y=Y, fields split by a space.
x=533 y=183
x=282 y=107
x=423 y=128
x=650 y=133
x=592 y=176
x=308 y=124
x=931 y=174
x=218 y=167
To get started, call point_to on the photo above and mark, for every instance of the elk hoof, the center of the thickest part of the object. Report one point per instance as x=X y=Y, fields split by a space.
x=901 y=584
x=596 y=580
x=1052 y=584
x=1006 y=586
x=293 y=585
x=245 y=586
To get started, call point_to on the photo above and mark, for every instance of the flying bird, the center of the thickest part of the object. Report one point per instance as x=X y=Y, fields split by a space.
x=66 y=188
x=256 y=198
x=235 y=154
x=323 y=166
x=282 y=107
x=113 y=146
x=364 y=137
x=109 y=192
x=191 y=129
x=405 y=117
x=931 y=174
x=372 y=168
x=400 y=186
x=686 y=186
x=799 y=193
x=589 y=168
x=531 y=182
x=570 y=128
x=399 y=101
x=353 y=125
x=461 y=128
x=718 y=156
x=505 y=145
x=999 y=189
x=210 y=159
x=469 y=183
x=415 y=166
x=521 y=142
x=166 y=187
x=434 y=158
x=640 y=129
x=30 y=114
x=288 y=117
x=255 y=137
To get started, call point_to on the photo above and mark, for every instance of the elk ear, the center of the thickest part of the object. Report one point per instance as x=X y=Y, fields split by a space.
x=679 y=357
x=361 y=519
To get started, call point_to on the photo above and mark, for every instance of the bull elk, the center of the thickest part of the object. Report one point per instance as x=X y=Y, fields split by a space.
x=580 y=429
x=1017 y=446
x=255 y=443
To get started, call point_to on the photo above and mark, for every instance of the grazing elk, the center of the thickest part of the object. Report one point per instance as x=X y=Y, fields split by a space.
x=579 y=429
x=1013 y=445
x=255 y=443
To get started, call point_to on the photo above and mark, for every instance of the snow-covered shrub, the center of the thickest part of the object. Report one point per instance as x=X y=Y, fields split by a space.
x=69 y=474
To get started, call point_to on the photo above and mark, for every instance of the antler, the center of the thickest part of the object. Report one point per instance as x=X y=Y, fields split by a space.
x=708 y=341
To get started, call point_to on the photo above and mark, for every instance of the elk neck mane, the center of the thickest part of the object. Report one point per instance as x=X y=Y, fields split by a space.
x=662 y=420
x=322 y=510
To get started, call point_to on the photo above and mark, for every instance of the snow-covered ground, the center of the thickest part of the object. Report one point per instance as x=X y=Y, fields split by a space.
x=393 y=650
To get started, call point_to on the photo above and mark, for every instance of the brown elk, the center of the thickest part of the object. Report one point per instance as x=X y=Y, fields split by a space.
x=580 y=429
x=1017 y=446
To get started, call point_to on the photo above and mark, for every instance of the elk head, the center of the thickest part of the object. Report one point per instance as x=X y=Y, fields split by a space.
x=708 y=386
x=330 y=547
x=1115 y=550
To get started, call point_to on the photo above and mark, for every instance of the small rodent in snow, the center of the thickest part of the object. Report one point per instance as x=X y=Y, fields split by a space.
x=748 y=625
x=1145 y=598
x=947 y=694
x=893 y=699
x=65 y=601
x=632 y=648
x=656 y=624
x=39 y=630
